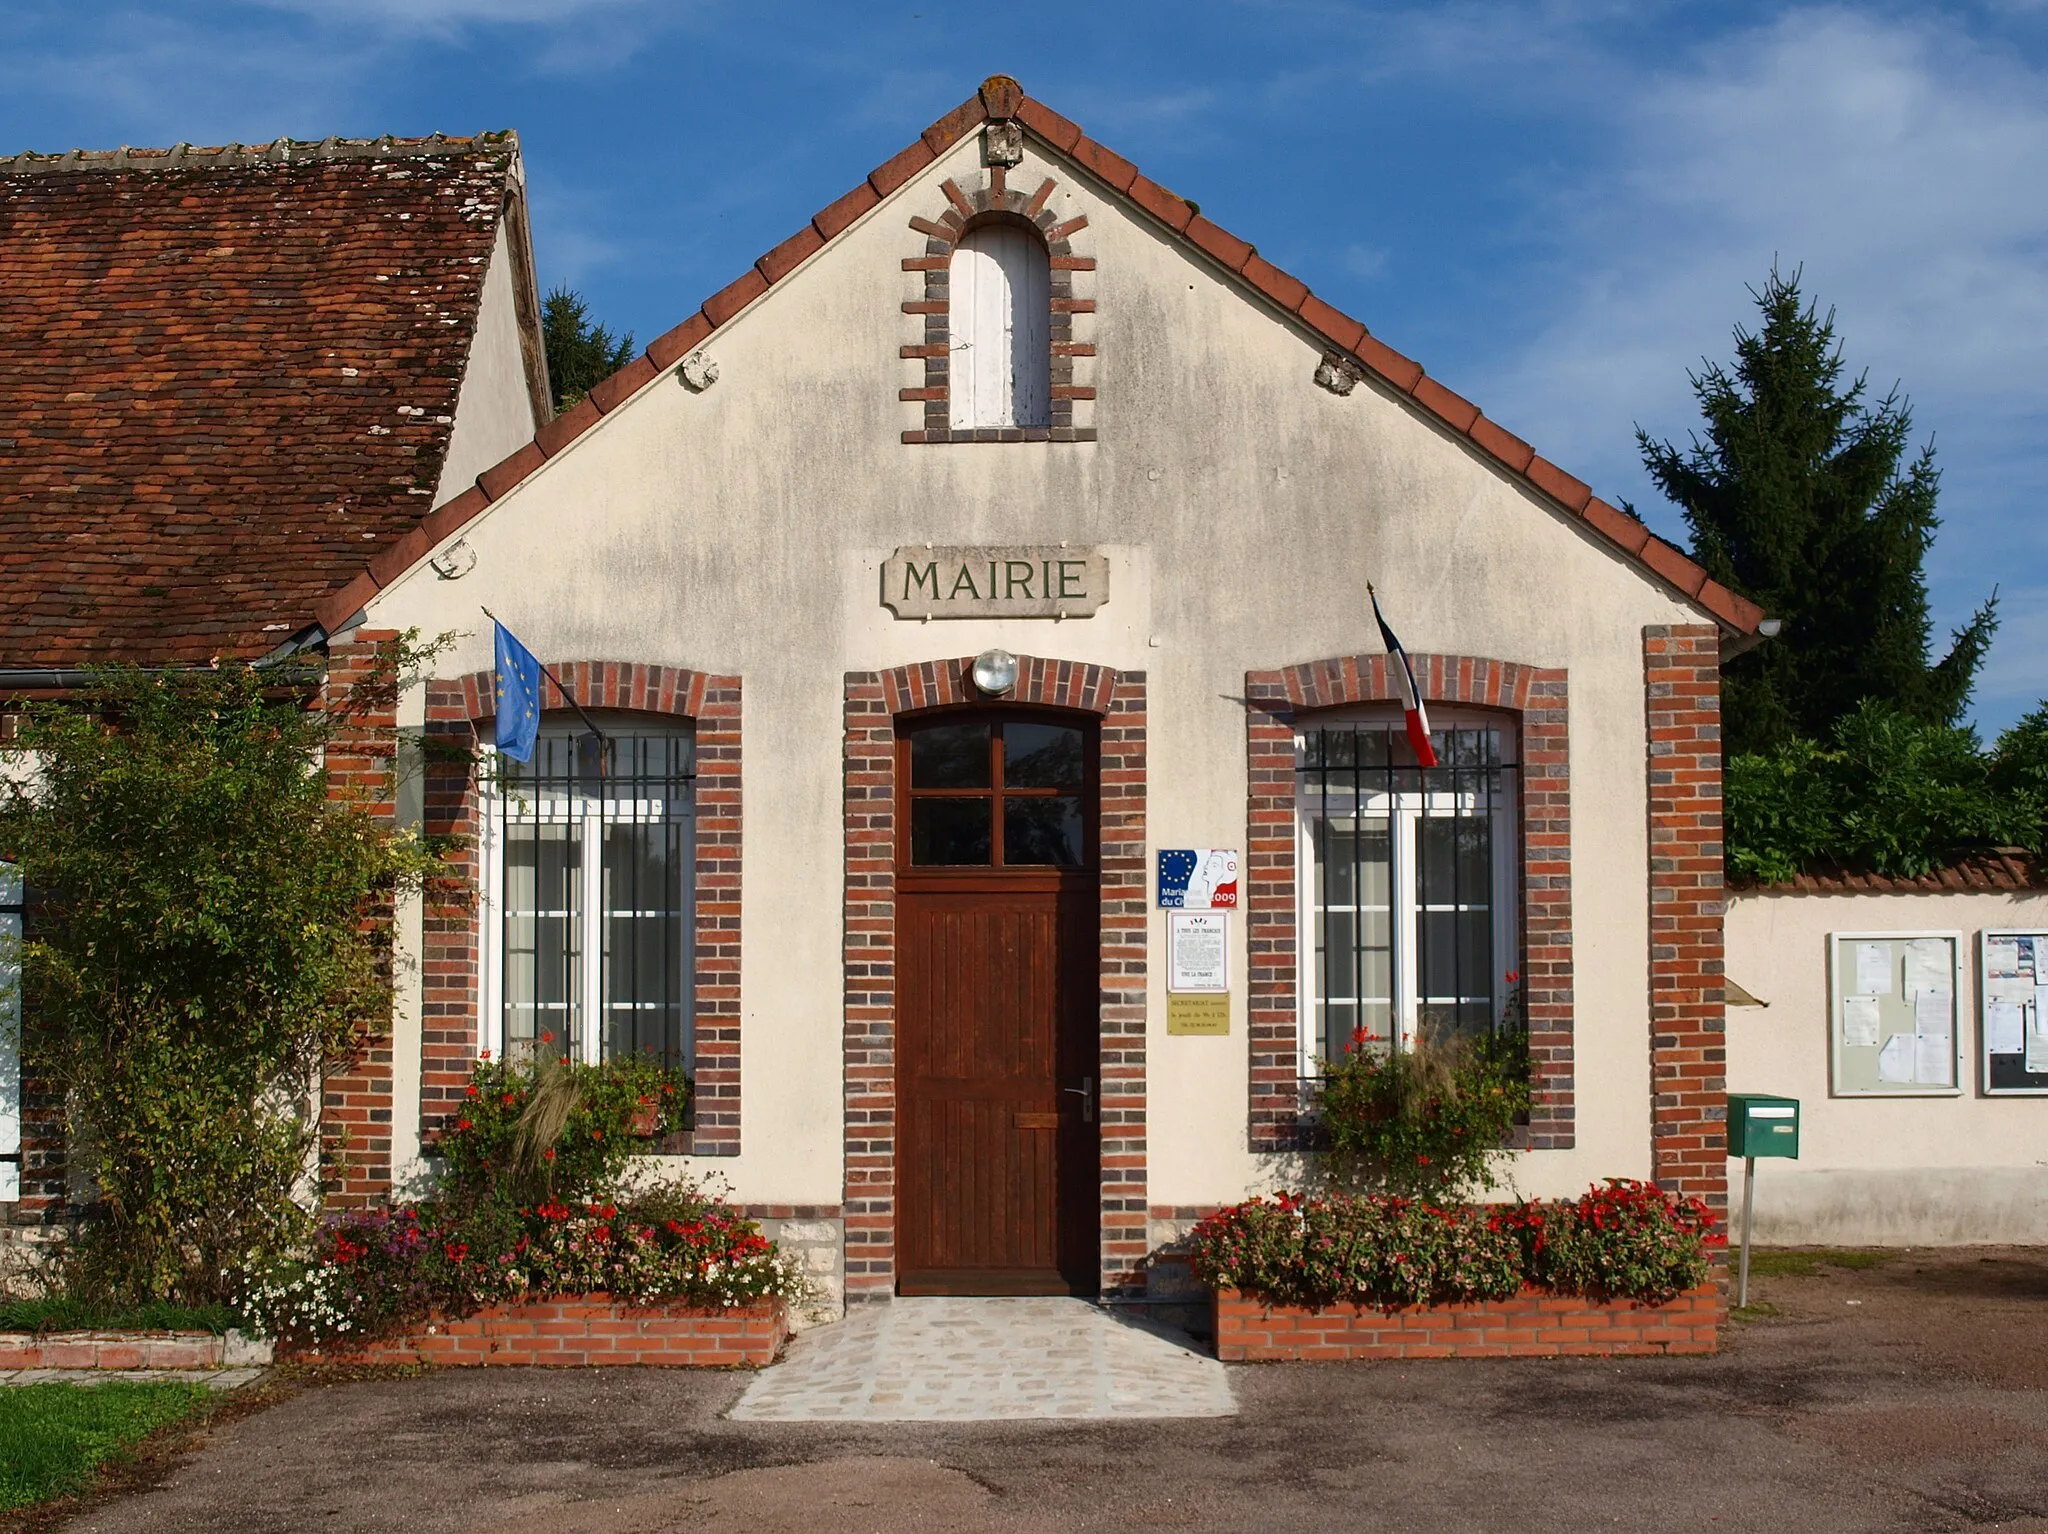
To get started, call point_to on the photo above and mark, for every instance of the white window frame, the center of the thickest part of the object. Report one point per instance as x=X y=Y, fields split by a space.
x=492 y=841
x=1405 y=811
x=11 y=915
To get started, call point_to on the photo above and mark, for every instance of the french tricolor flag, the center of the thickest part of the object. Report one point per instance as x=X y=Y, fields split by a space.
x=1404 y=678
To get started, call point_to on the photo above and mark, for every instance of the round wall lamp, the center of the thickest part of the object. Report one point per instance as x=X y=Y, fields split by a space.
x=995 y=672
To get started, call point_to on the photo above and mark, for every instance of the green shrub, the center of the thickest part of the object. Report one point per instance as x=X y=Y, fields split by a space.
x=1887 y=794
x=201 y=947
x=549 y=1127
x=1620 y=1240
x=1431 y=1121
x=535 y=1203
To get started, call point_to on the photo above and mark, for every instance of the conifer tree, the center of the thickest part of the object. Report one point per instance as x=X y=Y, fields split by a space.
x=1797 y=497
x=581 y=353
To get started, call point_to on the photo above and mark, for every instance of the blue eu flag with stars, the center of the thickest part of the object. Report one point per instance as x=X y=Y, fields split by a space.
x=518 y=697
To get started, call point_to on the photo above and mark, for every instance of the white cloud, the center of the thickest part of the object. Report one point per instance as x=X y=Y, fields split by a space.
x=1904 y=165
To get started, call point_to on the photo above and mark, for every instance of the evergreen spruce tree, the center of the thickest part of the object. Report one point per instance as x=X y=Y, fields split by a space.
x=1797 y=497
x=580 y=352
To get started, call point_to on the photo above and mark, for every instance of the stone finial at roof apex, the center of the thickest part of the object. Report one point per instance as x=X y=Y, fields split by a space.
x=1002 y=95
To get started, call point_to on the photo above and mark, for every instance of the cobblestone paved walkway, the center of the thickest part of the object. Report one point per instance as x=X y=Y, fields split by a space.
x=966 y=1360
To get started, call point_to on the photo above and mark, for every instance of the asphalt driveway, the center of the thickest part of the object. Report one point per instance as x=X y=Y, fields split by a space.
x=1910 y=1397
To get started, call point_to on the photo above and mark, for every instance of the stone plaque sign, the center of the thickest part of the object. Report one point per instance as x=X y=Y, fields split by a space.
x=995 y=581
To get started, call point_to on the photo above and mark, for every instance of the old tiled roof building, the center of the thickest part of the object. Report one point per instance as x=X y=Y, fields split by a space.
x=228 y=376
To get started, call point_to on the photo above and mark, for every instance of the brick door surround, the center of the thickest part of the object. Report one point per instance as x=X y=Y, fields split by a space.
x=874 y=701
x=1537 y=699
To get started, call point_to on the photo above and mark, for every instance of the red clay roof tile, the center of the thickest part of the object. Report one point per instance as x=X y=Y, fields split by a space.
x=2005 y=869
x=227 y=378
x=1001 y=97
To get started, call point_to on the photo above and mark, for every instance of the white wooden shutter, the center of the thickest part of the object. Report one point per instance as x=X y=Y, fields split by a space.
x=998 y=297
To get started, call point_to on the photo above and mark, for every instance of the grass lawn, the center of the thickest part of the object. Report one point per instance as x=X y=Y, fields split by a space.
x=61 y=1313
x=55 y=1437
x=1806 y=1262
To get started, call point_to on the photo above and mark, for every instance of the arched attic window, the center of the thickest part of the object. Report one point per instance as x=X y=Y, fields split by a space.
x=999 y=305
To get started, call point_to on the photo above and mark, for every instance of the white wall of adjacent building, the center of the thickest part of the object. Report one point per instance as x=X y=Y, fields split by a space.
x=494 y=407
x=1886 y=1171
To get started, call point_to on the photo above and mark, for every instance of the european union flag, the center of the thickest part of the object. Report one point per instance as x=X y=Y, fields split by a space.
x=518 y=697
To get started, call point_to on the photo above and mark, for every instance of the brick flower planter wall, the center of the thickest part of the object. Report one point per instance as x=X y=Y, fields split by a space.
x=1534 y=1324
x=129 y=1350
x=572 y=1333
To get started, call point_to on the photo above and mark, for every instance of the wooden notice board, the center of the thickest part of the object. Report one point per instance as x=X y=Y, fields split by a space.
x=1894 y=1027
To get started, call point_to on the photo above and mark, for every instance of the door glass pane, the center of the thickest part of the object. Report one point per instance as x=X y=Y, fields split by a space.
x=952 y=831
x=950 y=756
x=1043 y=831
x=1041 y=756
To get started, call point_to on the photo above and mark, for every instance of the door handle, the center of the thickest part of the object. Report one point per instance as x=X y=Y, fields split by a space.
x=1086 y=1092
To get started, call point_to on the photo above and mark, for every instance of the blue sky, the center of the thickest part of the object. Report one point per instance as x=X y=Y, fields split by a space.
x=1555 y=207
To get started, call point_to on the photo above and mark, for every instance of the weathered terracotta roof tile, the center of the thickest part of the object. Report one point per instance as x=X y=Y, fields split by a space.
x=227 y=381
x=2002 y=871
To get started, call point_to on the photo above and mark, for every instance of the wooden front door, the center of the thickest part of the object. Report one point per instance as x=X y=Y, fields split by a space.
x=997 y=964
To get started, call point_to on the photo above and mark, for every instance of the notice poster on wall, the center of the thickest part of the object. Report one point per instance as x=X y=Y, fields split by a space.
x=1198 y=951
x=2013 y=1003
x=1895 y=1025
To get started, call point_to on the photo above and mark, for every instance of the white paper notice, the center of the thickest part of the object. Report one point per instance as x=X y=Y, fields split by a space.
x=2003 y=1032
x=1874 y=968
x=1929 y=965
x=1933 y=1057
x=1934 y=1012
x=2036 y=1061
x=1895 y=1060
x=2001 y=958
x=1859 y=1021
x=1198 y=951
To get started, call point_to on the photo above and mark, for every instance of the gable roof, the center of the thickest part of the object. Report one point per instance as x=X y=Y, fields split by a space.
x=225 y=376
x=1002 y=99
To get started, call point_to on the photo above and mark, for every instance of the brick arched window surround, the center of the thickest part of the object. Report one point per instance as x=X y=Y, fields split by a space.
x=458 y=715
x=875 y=700
x=1537 y=698
x=996 y=200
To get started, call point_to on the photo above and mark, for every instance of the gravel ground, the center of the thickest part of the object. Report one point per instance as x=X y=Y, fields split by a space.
x=1911 y=1396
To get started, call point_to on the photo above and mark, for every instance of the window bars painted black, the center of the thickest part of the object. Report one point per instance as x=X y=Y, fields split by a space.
x=12 y=911
x=1410 y=890
x=599 y=858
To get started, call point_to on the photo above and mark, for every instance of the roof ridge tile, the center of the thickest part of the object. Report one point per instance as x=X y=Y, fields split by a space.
x=279 y=151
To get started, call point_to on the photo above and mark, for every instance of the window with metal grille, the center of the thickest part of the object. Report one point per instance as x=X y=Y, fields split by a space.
x=591 y=855
x=11 y=911
x=1410 y=903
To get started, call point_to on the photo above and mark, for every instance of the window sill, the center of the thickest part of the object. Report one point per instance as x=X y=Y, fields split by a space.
x=935 y=436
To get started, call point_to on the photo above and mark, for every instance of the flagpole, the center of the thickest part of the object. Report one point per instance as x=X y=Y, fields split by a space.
x=567 y=697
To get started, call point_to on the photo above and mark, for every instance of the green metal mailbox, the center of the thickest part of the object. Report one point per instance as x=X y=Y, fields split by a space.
x=1760 y=1124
